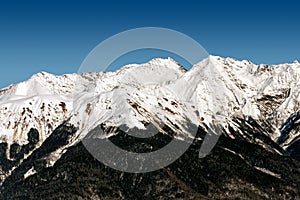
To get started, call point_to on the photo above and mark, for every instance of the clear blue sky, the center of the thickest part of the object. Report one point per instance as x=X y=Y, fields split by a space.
x=55 y=36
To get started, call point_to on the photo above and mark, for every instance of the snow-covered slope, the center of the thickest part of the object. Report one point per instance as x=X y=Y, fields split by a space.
x=42 y=102
x=213 y=91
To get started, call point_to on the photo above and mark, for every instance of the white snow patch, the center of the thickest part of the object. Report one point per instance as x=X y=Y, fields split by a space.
x=30 y=172
x=264 y=170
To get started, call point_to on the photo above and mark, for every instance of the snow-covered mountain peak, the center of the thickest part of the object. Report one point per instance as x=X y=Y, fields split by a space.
x=216 y=85
x=44 y=101
x=42 y=74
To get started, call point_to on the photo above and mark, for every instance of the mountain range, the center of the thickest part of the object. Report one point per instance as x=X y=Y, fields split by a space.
x=252 y=110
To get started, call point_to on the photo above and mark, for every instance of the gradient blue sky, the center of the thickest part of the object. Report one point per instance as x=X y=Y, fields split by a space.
x=56 y=36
